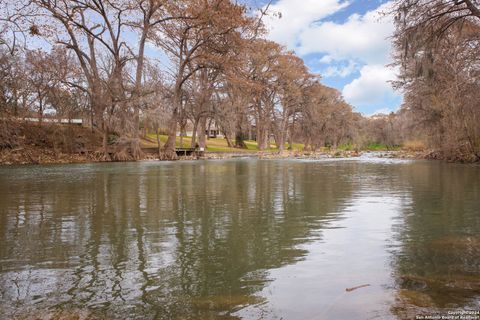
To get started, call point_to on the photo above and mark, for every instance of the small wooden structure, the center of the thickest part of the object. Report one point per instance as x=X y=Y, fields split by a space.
x=186 y=151
x=181 y=152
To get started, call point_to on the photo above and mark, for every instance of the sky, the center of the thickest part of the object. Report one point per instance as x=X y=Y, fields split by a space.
x=345 y=41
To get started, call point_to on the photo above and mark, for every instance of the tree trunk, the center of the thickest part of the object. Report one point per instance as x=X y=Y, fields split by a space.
x=281 y=142
x=308 y=143
x=201 y=133
x=40 y=111
x=194 y=133
x=106 y=155
x=262 y=138
x=239 y=143
x=92 y=118
x=159 y=147
x=183 y=132
x=229 y=143
x=15 y=102
x=169 y=147
x=282 y=135
x=335 y=144
x=290 y=135
x=258 y=136
x=136 y=123
x=209 y=128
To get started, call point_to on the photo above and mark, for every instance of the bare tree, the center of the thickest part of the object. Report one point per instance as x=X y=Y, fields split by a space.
x=202 y=39
x=437 y=48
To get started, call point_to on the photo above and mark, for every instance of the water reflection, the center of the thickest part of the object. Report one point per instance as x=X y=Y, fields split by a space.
x=233 y=239
x=438 y=264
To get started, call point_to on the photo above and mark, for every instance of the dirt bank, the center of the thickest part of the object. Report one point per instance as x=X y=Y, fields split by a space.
x=22 y=143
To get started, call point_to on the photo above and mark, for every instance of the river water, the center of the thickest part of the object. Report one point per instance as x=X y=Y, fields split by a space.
x=240 y=239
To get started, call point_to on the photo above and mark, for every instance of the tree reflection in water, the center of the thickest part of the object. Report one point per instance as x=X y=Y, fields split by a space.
x=204 y=240
x=438 y=264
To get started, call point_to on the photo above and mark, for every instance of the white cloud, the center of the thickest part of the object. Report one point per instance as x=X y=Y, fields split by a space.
x=360 y=37
x=372 y=88
x=296 y=17
x=340 y=70
x=363 y=38
x=359 y=44
x=326 y=59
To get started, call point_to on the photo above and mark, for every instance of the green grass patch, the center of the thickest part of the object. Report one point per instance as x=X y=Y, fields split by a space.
x=380 y=147
x=367 y=147
x=347 y=147
x=215 y=144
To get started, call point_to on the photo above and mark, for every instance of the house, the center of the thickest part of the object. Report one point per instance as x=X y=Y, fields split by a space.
x=77 y=122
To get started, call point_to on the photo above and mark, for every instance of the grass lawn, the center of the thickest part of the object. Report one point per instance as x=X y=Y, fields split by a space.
x=213 y=144
x=220 y=145
x=380 y=147
x=368 y=147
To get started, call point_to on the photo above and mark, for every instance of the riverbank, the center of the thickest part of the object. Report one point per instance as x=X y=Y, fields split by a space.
x=25 y=156
x=332 y=154
x=23 y=143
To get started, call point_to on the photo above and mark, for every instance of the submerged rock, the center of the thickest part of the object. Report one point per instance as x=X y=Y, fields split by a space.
x=227 y=302
x=410 y=303
x=457 y=242
x=416 y=298
x=448 y=281
x=74 y=314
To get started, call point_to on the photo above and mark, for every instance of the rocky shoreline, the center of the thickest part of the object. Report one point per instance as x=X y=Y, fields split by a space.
x=320 y=155
x=26 y=157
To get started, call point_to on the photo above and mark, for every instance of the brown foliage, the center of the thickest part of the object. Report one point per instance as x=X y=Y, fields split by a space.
x=437 y=45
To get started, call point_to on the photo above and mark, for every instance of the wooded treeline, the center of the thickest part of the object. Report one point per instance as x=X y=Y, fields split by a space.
x=128 y=66
x=437 y=50
x=206 y=60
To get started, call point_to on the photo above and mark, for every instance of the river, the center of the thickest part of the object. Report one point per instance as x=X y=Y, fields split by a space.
x=240 y=239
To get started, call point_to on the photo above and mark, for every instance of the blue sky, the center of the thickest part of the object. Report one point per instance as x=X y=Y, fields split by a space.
x=346 y=42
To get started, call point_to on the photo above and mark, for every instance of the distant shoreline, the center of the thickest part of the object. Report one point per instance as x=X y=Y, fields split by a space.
x=48 y=158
